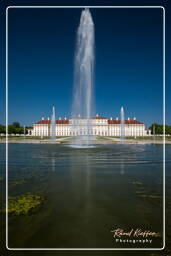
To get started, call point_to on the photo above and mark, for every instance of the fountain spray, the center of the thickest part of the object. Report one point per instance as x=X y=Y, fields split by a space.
x=83 y=79
x=122 y=128
x=53 y=125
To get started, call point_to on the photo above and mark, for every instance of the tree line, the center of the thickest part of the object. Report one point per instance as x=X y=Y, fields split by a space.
x=14 y=128
x=159 y=129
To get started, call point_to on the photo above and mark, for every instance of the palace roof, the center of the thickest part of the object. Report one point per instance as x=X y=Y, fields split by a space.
x=126 y=122
x=57 y=122
x=97 y=117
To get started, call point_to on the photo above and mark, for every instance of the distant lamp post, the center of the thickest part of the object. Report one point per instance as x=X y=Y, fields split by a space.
x=24 y=132
x=154 y=130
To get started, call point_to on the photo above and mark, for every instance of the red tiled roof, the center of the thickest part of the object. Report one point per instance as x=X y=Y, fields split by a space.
x=99 y=117
x=57 y=122
x=62 y=121
x=43 y=122
x=126 y=122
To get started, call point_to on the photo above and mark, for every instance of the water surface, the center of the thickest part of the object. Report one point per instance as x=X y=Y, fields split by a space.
x=88 y=192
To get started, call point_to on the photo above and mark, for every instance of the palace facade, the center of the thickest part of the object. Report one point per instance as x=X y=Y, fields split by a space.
x=100 y=126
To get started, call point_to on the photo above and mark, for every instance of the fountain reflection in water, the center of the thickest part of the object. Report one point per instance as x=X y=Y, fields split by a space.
x=53 y=126
x=122 y=128
x=83 y=81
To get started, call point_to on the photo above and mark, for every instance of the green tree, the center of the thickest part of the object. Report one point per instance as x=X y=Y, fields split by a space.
x=11 y=129
x=157 y=129
x=2 y=129
x=168 y=129
x=20 y=130
x=16 y=124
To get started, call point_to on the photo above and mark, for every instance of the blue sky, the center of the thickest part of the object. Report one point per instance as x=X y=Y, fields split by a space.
x=128 y=68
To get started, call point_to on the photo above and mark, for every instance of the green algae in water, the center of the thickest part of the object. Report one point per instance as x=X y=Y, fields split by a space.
x=1 y=178
x=151 y=196
x=19 y=182
x=136 y=183
x=24 y=204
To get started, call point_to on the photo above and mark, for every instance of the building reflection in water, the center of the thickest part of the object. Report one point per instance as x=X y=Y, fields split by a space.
x=53 y=164
x=122 y=167
x=81 y=169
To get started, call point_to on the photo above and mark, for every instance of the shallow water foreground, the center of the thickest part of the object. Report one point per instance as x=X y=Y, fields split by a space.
x=86 y=193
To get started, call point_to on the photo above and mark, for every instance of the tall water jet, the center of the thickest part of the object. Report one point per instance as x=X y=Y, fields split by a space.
x=83 y=80
x=53 y=126
x=122 y=125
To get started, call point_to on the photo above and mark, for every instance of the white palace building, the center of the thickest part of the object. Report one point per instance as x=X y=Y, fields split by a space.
x=100 y=126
